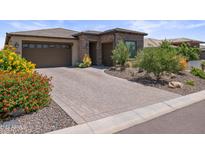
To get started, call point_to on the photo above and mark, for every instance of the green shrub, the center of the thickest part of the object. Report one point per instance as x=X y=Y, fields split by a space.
x=167 y=45
x=203 y=65
x=10 y=61
x=185 y=50
x=190 y=82
x=120 y=54
x=198 y=72
x=158 y=61
x=23 y=91
x=191 y=53
x=203 y=62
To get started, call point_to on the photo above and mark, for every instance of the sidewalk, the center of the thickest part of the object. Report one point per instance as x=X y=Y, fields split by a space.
x=189 y=120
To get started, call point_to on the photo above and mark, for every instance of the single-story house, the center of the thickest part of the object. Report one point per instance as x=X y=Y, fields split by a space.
x=63 y=47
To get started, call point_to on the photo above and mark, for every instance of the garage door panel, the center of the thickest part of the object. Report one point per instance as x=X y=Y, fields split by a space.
x=48 y=57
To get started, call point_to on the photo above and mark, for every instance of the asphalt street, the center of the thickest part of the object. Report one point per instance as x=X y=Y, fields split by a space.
x=188 y=120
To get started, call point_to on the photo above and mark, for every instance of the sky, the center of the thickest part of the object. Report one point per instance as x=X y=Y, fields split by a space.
x=158 y=29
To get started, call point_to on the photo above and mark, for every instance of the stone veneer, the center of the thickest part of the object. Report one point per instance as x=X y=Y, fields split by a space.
x=84 y=40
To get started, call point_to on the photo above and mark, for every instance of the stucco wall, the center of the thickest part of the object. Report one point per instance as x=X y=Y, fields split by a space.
x=19 y=39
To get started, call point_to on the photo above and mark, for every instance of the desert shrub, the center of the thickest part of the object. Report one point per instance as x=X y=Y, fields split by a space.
x=198 y=72
x=158 y=61
x=203 y=62
x=120 y=54
x=167 y=45
x=191 y=53
x=203 y=65
x=185 y=50
x=86 y=61
x=23 y=91
x=10 y=61
x=128 y=64
x=183 y=63
x=190 y=82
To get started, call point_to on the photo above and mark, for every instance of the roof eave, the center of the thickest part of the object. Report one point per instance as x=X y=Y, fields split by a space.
x=10 y=34
x=118 y=31
x=84 y=33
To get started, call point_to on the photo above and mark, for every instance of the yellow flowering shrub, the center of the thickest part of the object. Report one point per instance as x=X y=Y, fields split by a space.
x=183 y=63
x=86 y=61
x=10 y=61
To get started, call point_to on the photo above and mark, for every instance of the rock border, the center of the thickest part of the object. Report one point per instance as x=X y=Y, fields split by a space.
x=121 y=121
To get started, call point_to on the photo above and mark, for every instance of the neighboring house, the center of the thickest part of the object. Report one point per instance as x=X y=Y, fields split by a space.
x=150 y=42
x=63 y=47
x=191 y=42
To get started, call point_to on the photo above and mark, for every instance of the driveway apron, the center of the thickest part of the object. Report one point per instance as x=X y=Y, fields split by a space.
x=90 y=94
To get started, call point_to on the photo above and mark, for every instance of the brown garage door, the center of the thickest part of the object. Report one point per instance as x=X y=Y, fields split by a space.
x=47 y=54
x=107 y=53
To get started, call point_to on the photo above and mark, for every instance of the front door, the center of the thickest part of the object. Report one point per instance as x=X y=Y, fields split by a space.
x=93 y=52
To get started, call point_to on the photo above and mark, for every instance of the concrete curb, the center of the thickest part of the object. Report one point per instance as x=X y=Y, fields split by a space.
x=130 y=118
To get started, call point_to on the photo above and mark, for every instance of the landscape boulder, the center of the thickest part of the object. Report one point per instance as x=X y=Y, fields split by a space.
x=175 y=84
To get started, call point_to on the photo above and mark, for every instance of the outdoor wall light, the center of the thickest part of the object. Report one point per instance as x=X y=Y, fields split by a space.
x=16 y=45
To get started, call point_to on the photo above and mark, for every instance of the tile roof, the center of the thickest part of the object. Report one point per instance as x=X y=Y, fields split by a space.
x=91 y=32
x=54 y=32
x=124 y=31
x=66 y=33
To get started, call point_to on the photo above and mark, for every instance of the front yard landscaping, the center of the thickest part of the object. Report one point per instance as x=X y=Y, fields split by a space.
x=48 y=119
x=132 y=74
x=163 y=67
x=25 y=102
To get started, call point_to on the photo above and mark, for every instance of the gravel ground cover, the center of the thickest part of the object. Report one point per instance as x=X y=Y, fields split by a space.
x=45 y=120
x=132 y=74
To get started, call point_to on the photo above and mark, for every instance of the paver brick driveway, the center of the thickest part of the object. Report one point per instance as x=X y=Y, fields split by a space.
x=90 y=94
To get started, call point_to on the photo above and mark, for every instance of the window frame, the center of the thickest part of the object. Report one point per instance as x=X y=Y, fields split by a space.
x=127 y=40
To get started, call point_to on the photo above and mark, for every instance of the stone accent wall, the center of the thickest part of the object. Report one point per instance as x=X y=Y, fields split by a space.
x=131 y=37
x=84 y=46
x=105 y=38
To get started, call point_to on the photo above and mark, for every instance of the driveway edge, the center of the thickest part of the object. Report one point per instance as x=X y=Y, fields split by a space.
x=121 y=121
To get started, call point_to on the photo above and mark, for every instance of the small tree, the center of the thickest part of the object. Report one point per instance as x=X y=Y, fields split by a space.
x=166 y=45
x=120 y=53
x=158 y=61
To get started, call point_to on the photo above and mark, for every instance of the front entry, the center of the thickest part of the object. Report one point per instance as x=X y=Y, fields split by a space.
x=93 y=52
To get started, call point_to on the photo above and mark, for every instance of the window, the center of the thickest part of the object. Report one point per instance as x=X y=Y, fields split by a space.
x=31 y=45
x=25 y=46
x=39 y=46
x=52 y=46
x=45 y=45
x=132 y=48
